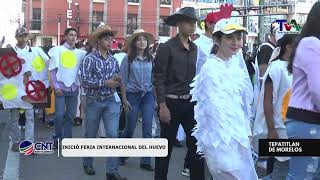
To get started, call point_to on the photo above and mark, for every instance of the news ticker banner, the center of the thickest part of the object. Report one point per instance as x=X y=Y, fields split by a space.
x=114 y=147
x=289 y=147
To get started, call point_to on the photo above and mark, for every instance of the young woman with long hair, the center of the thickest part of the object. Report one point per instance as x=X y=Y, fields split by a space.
x=223 y=93
x=136 y=72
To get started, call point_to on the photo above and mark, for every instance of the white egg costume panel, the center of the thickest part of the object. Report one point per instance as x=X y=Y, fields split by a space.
x=38 y=62
x=67 y=62
x=12 y=90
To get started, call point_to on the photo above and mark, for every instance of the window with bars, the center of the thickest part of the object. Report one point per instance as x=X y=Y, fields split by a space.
x=164 y=29
x=132 y=23
x=165 y=2
x=36 y=19
x=97 y=18
x=23 y=8
x=133 y=1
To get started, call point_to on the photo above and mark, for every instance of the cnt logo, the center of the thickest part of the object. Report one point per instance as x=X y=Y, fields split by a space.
x=27 y=147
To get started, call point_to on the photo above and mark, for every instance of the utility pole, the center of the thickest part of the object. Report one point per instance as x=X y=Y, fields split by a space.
x=245 y=19
x=261 y=33
x=59 y=22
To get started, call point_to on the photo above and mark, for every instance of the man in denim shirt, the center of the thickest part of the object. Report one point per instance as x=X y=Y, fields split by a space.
x=99 y=73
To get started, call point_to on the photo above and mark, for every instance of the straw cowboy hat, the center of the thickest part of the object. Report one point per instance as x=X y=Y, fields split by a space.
x=186 y=13
x=139 y=32
x=102 y=29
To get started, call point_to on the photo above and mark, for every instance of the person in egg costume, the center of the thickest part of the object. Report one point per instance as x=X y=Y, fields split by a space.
x=64 y=69
x=37 y=61
x=14 y=75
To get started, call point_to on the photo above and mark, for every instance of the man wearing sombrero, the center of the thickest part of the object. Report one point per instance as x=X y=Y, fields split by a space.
x=175 y=67
x=99 y=74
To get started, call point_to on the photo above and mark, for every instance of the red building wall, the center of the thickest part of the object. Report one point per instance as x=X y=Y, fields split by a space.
x=53 y=10
x=115 y=16
x=149 y=16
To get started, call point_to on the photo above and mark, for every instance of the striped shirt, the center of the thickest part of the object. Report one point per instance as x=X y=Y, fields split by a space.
x=94 y=71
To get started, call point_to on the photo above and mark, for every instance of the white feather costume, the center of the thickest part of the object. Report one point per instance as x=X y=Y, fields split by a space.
x=223 y=94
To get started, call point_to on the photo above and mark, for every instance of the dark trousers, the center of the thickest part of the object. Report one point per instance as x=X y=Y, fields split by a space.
x=181 y=113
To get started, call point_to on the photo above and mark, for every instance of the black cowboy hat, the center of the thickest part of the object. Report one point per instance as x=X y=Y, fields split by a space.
x=186 y=13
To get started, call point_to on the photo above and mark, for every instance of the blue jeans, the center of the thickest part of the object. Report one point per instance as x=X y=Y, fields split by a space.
x=299 y=167
x=65 y=112
x=144 y=103
x=109 y=111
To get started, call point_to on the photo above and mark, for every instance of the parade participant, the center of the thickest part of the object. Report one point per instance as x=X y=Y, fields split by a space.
x=205 y=41
x=12 y=84
x=274 y=99
x=260 y=62
x=83 y=105
x=100 y=76
x=38 y=61
x=303 y=116
x=175 y=67
x=123 y=52
x=64 y=66
x=223 y=94
x=136 y=72
x=265 y=50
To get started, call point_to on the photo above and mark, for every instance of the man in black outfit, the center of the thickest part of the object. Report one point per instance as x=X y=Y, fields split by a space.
x=175 y=67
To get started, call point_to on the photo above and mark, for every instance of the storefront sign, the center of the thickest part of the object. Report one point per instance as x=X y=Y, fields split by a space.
x=69 y=13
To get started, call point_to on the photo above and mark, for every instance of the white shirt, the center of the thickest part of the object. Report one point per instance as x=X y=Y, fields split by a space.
x=281 y=81
x=205 y=43
x=119 y=57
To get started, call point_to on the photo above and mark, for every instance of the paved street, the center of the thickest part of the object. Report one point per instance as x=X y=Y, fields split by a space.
x=52 y=167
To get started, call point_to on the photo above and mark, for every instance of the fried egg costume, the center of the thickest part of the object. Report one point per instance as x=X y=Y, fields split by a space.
x=223 y=93
x=38 y=62
x=12 y=90
x=67 y=62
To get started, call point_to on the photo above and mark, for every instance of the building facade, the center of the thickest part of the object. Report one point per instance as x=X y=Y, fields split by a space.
x=47 y=19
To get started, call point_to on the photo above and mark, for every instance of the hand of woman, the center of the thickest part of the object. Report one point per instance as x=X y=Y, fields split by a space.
x=126 y=105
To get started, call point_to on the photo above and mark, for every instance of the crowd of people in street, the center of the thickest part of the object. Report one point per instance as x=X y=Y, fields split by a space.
x=199 y=88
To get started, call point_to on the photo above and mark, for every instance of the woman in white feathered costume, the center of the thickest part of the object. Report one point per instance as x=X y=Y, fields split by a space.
x=223 y=93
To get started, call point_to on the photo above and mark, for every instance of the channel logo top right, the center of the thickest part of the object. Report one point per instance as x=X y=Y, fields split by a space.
x=286 y=26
